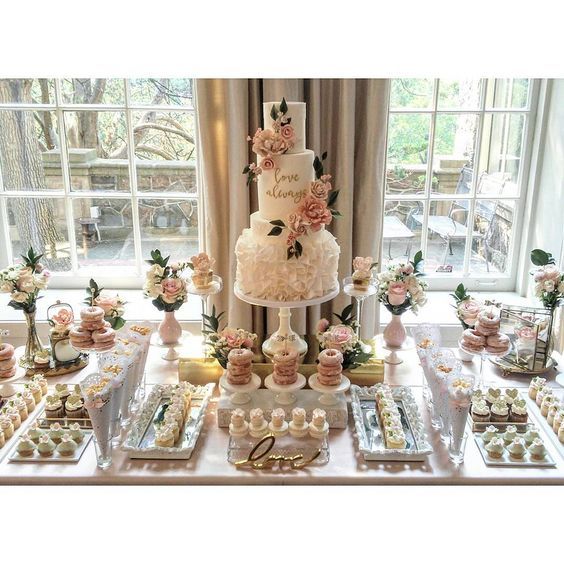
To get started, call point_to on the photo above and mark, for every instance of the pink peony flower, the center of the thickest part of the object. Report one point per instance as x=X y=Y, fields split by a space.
x=340 y=337
x=314 y=213
x=551 y=273
x=287 y=132
x=107 y=303
x=539 y=275
x=362 y=263
x=322 y=325
x=267 y=164
x=172 y=288
x=267 y=143
x=397 y=293
x=319 y=189
x=468 y=311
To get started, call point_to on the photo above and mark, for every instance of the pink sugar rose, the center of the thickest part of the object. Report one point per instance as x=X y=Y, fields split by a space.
x=172 y=289
x=322 y=325
x=315 y=213
x=397 y=293
x=287 y=132
x=296 y=224
x=319 y=189
x=291 y=239
x=267 y=164
x=202 y=262
x=468 y=311
x=267 y=142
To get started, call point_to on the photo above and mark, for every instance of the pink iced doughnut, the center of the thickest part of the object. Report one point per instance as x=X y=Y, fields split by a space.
x=93 y=325
x=93 y=313
x=497 y=343
x=239 y=369
x=7 y=363
x=472 y=338
x=489 y=318
x=240 y=356
x=286 y=358
x=6 y=351
x=103 y=335
x=8 y=373
x=78 y=333
x=330 y=357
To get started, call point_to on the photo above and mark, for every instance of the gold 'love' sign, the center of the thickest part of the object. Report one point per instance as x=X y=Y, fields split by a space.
x=260 y=458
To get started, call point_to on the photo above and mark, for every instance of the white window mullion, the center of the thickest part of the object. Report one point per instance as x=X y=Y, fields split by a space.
x=199 y=196
x=133 y=183
x=66 y=175
x=6 y=255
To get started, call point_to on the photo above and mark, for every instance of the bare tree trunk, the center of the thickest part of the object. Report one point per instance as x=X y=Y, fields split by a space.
x=22 y=169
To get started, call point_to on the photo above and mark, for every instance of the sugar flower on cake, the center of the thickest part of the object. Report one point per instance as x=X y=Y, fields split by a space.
x=164 y=282
x=112 y=304
x=342 y=337
x=24 y=281
x=221 y=342
x=548 y=279
x=400 y=288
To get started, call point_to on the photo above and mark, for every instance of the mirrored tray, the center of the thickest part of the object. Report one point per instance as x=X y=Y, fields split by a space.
x=286 y=447
x=370 y=438
x=140 y=441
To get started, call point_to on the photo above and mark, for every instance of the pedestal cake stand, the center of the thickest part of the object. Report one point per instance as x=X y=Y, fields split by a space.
x=284 y=338
x=241 y=393
x=328 y=393
x=284 y=395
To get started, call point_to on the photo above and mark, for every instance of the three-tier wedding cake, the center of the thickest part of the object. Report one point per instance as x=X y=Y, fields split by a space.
x=287 y=255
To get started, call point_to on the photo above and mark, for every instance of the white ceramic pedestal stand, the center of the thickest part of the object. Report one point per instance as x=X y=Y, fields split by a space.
x=204 y=293
x=171 y=352
x=393 y=357
x=285 y=338
x=284 y=395
x=240 y=394
x=6 y=388
x=328 y=393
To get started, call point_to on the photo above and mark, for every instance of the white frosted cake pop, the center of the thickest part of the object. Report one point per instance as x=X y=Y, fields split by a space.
x=298 y=426
x=278 y=426
x=238 y=426
x=258 y=426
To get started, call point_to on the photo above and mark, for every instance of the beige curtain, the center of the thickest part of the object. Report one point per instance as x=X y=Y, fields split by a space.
x=346 y=118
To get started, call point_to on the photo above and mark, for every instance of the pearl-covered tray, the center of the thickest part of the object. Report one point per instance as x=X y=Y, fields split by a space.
x=140 y=441
x=370 y=438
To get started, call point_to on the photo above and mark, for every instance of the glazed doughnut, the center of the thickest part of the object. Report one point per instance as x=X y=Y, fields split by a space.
x=238 y=369
x=472 y=340
x=93 y=325
x=6 y=351
x=104 y=335
x=8 y=373
x=498 y=343
x=285 y=368
x=237 y=356
x=329 y=370
x=93 y=313
x=489 y=318
x=7 y=364
x=330 y=357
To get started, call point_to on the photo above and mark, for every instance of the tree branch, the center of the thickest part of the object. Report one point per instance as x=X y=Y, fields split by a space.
x=155 y=151
x=164 y=128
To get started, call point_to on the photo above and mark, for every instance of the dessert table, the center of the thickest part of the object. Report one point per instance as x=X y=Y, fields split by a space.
x=208 y=464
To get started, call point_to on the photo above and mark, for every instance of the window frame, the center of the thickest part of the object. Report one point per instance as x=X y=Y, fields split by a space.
x=483 y=281
x=78 y=276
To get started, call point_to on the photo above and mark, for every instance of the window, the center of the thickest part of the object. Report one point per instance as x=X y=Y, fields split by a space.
x=96 y=172
x=456 y=173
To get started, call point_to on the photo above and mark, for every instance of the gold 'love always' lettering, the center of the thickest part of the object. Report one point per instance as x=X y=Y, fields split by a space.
x=278 y=191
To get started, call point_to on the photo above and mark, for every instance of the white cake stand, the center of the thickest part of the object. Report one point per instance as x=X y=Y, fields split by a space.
x=284 y=338
x=328 y=393
x=393 y=358
x=284 y=395
x=241 y=394
x=171 y=352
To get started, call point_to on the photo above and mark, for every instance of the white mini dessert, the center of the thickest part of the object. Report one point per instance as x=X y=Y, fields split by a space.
x=278 y=425
x=238 y=426
x=298 y=426
x=258 y=427
x=318 y=428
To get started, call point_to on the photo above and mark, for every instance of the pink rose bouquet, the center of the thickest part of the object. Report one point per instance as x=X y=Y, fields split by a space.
x=467 y=308
x=549 y=280
x=164 y=283
x=400 y=287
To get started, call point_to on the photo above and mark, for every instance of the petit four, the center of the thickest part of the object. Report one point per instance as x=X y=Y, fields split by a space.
x=258 y=426
x=238 y=426
x=278 y=425
x=298 y=426
x=318 y=428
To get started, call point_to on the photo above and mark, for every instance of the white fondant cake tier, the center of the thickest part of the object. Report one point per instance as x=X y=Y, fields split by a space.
x=297 y=113
x=263 y=270
x=281 y=189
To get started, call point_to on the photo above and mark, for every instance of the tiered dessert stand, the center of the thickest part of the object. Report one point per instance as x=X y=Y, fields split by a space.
x=329 y=393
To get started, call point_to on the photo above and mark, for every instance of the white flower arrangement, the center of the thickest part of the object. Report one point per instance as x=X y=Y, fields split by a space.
x=549 y=280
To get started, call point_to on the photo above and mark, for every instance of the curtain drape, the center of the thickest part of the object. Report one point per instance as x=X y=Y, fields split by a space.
x=345 y=117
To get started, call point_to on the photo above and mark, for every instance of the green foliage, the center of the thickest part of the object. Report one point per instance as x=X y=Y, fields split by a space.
x=346 y=317
x=93 y=292
x=212 y=321
x=31 y=259
x=541 y=258
x=460 y=294
x=417 y=263
x=157 y=258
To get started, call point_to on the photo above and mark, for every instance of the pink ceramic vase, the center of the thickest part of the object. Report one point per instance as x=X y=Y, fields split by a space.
x=170 y=330
x=394 y=333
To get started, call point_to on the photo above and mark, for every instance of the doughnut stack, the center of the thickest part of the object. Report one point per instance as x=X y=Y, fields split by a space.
x=7 y=361
x=93 y=332
x=285 y=368
x=486 y=335
x=330 y=368
x=239 y=366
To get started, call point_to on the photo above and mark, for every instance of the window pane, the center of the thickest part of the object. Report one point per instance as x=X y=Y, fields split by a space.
x=161 y=91
x=93 y=91
x=502 y=142
x=507 y=93
x=446 y=238
x=97 y=144
x=455 y=137
x=408 y=145
x=411 y=93
x=40 y=223
x=29 y=153
x=104 y=232
x=169 y=224
x=463 y=94
x=165 y=150
x=493 y=232
x=27 y=91
x=402 y=231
